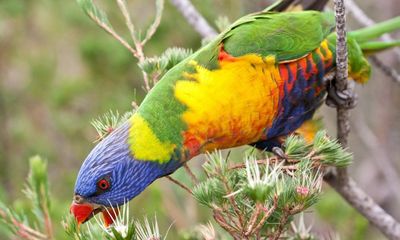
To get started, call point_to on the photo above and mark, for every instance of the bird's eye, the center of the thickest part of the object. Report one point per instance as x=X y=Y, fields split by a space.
x=103 y=184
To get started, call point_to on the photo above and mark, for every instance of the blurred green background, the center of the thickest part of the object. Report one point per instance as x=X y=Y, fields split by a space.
x=58 y=71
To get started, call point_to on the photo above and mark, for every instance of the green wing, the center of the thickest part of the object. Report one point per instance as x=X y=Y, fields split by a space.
x=288 y=35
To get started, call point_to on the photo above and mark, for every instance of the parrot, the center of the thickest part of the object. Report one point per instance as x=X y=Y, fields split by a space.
x=254 y=84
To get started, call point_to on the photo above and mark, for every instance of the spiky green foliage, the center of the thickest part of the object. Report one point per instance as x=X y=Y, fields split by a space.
x=37 y=192
x=123 y=228
x=323 y=150
x=260 y=197
x=161 y=64
x=107 y=123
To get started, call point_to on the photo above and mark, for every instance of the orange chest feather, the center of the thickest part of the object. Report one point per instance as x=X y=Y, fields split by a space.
x=229 y=106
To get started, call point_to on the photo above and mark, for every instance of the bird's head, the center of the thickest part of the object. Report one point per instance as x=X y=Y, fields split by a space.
x=111 y=176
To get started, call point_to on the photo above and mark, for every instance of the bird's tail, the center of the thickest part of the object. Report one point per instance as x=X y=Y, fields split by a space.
x=363 y=42
x=365 y=36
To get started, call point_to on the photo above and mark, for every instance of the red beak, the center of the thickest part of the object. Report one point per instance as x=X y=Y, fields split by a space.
x=85 y=211
x=82 y=211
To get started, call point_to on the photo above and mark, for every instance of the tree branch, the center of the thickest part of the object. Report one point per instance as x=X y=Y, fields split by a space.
x=343 y=114
x=194 y=18
x=340 y=180
x=391 y=72
x=366 y=206
x=377 y=151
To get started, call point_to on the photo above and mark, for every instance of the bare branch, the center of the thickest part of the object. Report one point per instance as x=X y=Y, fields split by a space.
x=139 y=44
x=391 y=72
x=343 y=114
x=157 y=20
x=195 y=18
x=111 y=31
x=366 y=206
x=179 y=184
x=383 y=162
x=190 y=173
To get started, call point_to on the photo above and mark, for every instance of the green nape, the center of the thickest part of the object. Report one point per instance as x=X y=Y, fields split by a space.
x=373 y=47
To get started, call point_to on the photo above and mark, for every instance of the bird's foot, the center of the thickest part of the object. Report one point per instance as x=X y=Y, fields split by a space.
x=279 y=153
x=343 y=99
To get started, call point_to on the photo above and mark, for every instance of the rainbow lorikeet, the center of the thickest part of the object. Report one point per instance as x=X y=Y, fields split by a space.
x=255 y=83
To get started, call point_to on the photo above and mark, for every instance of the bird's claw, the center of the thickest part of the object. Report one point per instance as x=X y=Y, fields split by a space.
x=345 y=99
x=279 y=152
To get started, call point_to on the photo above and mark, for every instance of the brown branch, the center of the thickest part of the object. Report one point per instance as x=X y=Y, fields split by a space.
x=23 y=231
x=267 y=215
x=253 y=219
x=391 y=72
x=377 y=151
x=179 y=184
x=111 y=31
x=232 y=201
x=191 y=174
x=340 y=180
x=343 y=123
x=366 y=206
x=47 y=221
x=217 y=214
x=194 y=18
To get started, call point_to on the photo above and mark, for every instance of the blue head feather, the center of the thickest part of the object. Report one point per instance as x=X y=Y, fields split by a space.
x=128 y=176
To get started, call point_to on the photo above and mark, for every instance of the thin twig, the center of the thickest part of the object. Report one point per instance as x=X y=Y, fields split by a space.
x=194 y=18
x=191 y=174
x=253 y=219
x=228 y=215
x=233 y=201
x=282 y=222
x=47 y=221
x=138 y=44
x=24 y=231
x=391 y=72
x=270 y=160
x=376 y=149
x=128 y=20
x=179 y=184
x=157 y=20
x=266 y=215
x=109 y=30
x=221 y=221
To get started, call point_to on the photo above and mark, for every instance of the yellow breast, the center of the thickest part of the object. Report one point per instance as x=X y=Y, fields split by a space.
x=229 y=106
